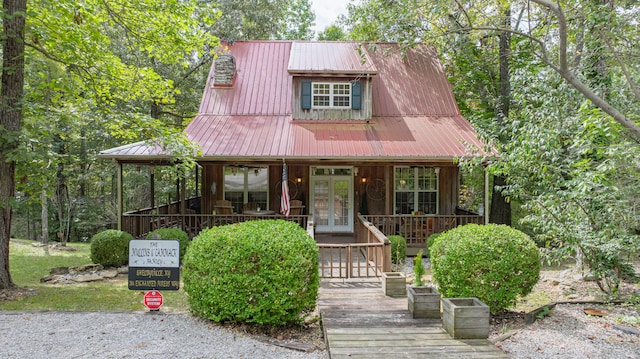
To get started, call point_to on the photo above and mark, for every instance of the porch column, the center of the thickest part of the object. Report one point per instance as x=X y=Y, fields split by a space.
x=486 y=195
x=152 y=185
x=119 y=203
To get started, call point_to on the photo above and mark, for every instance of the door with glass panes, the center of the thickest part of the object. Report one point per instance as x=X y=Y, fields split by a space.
x=332 y=199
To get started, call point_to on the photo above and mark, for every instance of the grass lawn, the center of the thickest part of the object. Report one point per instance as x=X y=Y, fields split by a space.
x=28 y=264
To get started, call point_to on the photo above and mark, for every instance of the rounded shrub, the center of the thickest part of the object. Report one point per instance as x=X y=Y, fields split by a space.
x=263 y=272
x=430 y=240
x=494 y=263
x=172 y=233
x=110 y=248
x=398 y=250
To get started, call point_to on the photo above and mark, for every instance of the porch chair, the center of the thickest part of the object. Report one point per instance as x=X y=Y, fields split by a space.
x=296 y=207
x=222 y=206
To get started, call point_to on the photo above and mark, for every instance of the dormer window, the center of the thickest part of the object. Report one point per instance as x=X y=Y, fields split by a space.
x=331 y=95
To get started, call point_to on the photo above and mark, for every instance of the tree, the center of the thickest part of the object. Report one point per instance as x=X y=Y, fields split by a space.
x=11 y=94
x=568 y=142
x=332 y=33
x=96 y=75
x=264 y=19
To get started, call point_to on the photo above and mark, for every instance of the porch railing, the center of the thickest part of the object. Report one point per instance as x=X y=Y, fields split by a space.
x=416 y=229
x=140 y=225
x=369 y=257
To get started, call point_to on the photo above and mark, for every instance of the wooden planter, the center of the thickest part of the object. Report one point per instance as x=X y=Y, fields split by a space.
x=465 y=318
x=394 y=284
x=424 y=302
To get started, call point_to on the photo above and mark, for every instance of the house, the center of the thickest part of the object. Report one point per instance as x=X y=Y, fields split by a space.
x=362 y=128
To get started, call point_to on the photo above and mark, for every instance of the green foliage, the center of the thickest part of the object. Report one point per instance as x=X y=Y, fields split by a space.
x=398 y=249
x=418 y=270
x=262 y=272
x=332 y=33
x=175 y=234
x=432 y=238
x=110 y=248
x=494 y=263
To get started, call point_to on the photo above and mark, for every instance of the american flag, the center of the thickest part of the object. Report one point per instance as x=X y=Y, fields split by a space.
x=285 y=206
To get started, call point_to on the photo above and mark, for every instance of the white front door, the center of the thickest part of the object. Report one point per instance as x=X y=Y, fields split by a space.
x=332 y=198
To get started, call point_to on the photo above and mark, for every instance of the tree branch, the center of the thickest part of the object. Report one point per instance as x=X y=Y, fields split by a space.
x=623 y=67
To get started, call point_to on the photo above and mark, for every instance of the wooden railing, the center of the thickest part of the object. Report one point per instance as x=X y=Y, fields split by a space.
x=416 y=229
x=369 y=257
x=139 y=225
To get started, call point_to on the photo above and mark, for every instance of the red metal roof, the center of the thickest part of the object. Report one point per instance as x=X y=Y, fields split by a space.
x=415 y=116
x=330 y=58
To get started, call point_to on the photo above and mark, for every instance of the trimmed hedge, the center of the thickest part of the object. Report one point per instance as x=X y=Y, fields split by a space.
x=172 y=233
x=398 y=250
x=110 y=248
x=430 y=240
x=494 y=263
x=262 y=272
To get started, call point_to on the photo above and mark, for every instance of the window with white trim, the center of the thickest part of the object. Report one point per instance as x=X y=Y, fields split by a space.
x=331 y=95
x=416 y=190
x=246 y=185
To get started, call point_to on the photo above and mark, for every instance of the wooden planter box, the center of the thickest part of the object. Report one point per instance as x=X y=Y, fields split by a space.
x=465 y=318
x=394 y=284
x=424 y=302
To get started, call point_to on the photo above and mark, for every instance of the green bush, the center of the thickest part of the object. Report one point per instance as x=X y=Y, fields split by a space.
x=494 y=263
x=172 y=233
x=398 y=249
x=110 y=248
x=262 y=272
x=430 y=240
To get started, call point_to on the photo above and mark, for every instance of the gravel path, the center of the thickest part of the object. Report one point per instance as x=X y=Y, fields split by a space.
x=127 y=335
x=567 y=332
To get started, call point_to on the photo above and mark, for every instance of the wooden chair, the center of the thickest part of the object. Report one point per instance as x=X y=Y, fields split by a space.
x=296 y=207
x=222 y=206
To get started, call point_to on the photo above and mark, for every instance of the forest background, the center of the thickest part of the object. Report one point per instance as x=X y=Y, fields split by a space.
x=552 y=85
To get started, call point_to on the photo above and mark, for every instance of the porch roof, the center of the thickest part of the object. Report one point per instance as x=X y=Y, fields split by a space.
x=382 y=139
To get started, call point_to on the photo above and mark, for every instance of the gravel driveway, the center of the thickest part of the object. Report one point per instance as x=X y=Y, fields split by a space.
x=127 y=335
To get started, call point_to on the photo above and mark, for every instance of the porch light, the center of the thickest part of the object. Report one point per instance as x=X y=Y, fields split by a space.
x=234 y=170
x=364 y=179
x=299 y=179
x=355 y=171
x=256 y=171
x=437 y=170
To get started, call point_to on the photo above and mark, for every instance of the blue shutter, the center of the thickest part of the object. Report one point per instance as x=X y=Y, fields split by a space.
x=305 y=97
x=356 y=95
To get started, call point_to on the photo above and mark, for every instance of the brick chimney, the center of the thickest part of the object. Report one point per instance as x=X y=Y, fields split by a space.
x=225 y=71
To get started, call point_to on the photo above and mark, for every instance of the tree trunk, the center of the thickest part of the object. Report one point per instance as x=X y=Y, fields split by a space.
x=11 y=96
x=500 y=206
x=44 y=217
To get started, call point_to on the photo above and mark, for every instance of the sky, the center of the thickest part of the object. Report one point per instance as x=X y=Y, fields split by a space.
x=327 y=12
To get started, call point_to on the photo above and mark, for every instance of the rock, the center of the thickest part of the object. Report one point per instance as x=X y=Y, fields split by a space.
x=123 y=270
x=555 y=282
x=627 y=330
x=111 y=273
x=572 y=296
x=87 y=278
x=87 y=268
x=59 y=270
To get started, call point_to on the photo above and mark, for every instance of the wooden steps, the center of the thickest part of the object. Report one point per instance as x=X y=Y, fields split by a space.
x=359 y=321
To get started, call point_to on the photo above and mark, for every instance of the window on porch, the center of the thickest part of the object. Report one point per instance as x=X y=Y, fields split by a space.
x=246 y=185
x=416 y=190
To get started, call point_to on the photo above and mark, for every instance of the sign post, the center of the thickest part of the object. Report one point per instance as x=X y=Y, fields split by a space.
x=154 y=265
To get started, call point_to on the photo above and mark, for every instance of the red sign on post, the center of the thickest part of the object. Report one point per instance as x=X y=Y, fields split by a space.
x=153 y=300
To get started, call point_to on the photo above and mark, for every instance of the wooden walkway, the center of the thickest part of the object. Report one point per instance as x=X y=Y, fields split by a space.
x=359 y=321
